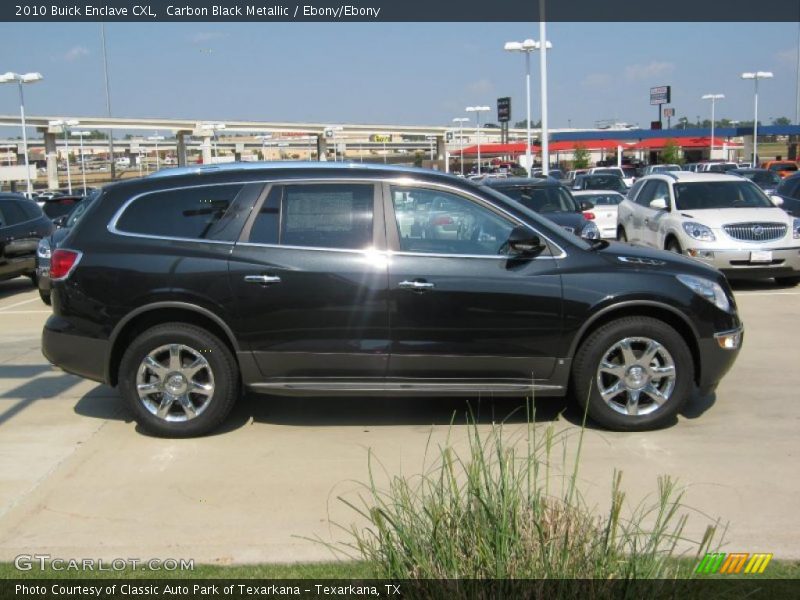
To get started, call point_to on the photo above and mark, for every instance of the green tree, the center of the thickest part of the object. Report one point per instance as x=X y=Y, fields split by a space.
x=782 y=121
x=524 y=124
x=671 y=153
x=580 y=159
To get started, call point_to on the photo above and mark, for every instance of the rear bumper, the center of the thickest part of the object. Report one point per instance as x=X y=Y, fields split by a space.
x=75 y=354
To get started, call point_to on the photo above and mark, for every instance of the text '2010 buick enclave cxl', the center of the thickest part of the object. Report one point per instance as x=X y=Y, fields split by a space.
x=307 y=278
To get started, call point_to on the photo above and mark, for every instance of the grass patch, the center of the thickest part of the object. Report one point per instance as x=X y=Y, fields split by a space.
x=489 y=512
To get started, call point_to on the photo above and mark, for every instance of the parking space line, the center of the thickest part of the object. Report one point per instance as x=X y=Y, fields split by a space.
x=2 y=308
x=24 y=312
x=739 y=294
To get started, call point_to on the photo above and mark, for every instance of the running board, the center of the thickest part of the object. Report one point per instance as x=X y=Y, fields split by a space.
x=315 y=387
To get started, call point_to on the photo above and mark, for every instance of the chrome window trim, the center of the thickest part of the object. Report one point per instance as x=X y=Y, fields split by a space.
x=112 y=225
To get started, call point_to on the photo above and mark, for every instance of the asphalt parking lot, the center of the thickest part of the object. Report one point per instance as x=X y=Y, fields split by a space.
x=78 y=480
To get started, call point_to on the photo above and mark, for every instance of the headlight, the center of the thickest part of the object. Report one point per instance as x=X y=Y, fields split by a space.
x=796 y=229
x=699 y=231
x=590 y=231
x=43 y=249
x=708 y=289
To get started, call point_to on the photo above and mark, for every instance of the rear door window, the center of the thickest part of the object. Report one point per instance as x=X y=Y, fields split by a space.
x=11 y=214
x=329 y=215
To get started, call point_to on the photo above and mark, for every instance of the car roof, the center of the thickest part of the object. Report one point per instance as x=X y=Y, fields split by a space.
x=689 y=176
x=595 y=192
x=282 y=165
x=750 y=170
x=520 y=181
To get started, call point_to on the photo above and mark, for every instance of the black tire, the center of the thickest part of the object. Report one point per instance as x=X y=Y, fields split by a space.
x=621 y=235
x=221 y=364
x=45 y=296
x=787 y=281
x=34 y=279
x=674 y=246
x=585 y=374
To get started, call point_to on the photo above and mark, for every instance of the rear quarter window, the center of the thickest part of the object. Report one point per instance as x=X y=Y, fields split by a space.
x=190 y=213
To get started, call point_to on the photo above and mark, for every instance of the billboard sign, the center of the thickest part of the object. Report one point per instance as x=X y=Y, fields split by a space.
x=504 y=110
x=660 y=95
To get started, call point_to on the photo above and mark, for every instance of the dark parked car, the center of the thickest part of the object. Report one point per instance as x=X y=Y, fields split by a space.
x=613 y=183
x=300 y=279
x=764 y=178
x=49 y=243
x=551 y=200
x=22 y=225
x=60 y=205
x=789 y=191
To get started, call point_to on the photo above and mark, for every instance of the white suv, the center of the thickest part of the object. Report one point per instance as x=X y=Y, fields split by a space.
x=722 y=220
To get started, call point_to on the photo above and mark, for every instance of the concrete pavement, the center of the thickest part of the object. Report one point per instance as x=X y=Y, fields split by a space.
x=78 y=480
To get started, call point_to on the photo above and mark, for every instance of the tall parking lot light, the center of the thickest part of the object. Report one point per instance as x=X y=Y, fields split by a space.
x=11 y=77
x=65 y=125
x=755 y=77
x=478 y=110
x=527 y=47
x=83 y=158
x=713 y=98
x=461 y=121
x=156 y=139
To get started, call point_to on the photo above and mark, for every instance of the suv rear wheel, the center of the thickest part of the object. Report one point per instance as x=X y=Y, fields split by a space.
x=178 y=380
x=787 y=281
x=635 y=374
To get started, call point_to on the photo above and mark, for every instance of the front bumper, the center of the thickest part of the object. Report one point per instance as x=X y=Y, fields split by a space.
x=737 y=264
x=717 y=356
x=74 y=353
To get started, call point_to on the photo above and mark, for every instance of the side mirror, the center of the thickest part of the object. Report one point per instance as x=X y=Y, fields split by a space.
x=658 y=204
x=776 y=200
x=585 y=205
x=523 y=242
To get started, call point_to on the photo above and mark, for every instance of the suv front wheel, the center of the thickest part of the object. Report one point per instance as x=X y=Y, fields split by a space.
x=634 y=373
x=178 y=380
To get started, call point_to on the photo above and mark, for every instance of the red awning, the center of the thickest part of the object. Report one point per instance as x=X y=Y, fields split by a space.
x=518 y=148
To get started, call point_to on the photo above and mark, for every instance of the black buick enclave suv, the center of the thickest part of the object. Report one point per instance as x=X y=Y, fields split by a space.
x=307 y=278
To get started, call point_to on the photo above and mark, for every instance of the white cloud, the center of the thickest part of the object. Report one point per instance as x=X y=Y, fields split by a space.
x=597 y=80
x=788 y=56
x=482 y=86
x=648 y=71
x=202 y=37
x=75 y=53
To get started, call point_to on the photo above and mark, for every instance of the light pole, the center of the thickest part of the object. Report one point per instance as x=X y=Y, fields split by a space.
x=20 y=79
x=65 y=125
x=461 y=121
x=527 y=47
x=713 y=98
x=544 y=46
x=478 y=110
x=755 y=77
x=83 y=160
x=156 y=139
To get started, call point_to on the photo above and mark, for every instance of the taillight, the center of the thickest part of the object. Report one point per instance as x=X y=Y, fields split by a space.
x=62 y=262
x=589 y=216
x=444 y=220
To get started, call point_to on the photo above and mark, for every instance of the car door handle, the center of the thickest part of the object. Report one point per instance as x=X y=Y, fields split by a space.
x=416 y=285
x=262 y=279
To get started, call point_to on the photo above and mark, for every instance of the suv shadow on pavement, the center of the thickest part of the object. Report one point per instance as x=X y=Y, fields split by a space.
x=14 y=287
x=353 y=411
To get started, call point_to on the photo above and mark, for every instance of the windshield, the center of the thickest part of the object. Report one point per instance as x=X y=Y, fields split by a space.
x=602 y=199
x=604 y=182
x=665 y=168
x=544 y=199
x=762 y=178
x=719 y=194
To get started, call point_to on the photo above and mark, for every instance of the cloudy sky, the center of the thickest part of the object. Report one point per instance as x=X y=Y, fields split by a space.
x=400 y=73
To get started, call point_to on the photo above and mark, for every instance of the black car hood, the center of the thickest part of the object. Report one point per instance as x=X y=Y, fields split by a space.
x=641 y=258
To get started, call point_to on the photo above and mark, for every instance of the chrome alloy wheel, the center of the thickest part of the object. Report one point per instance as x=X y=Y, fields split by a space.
x=636 y=376
x=175 y=382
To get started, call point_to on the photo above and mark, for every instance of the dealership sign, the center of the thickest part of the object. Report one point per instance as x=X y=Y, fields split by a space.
x=660 y=95
x=504 y=110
